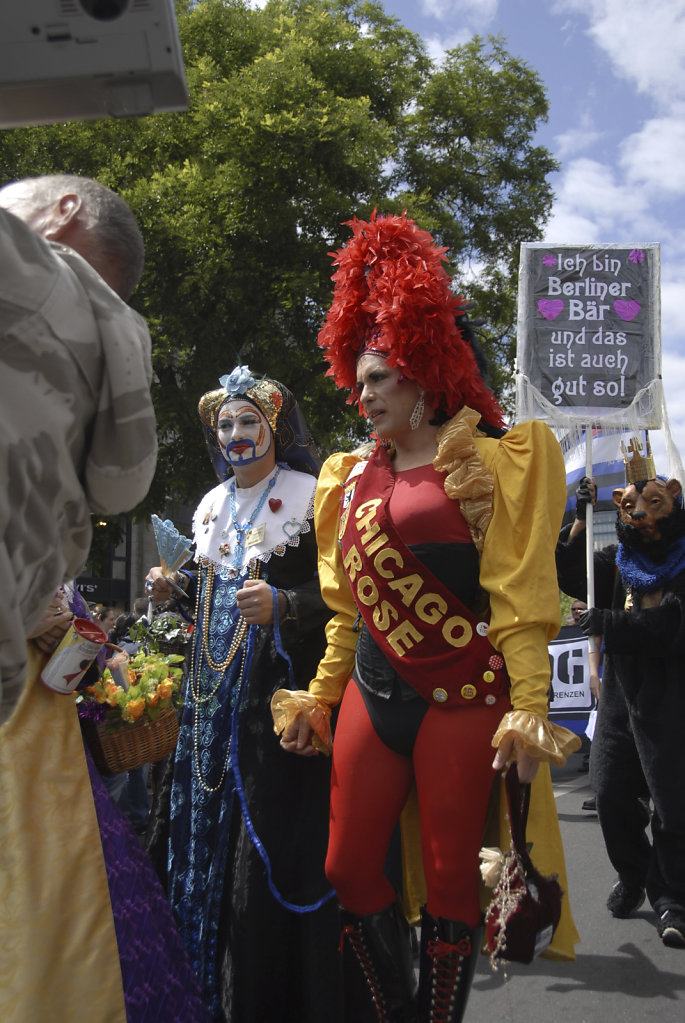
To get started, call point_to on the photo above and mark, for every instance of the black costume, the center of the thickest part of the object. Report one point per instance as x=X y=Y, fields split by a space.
x=636 y=754
x=240 y=825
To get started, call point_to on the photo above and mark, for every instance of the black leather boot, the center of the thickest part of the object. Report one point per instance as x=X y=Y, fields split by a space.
x=381 y=947
x=449 y=952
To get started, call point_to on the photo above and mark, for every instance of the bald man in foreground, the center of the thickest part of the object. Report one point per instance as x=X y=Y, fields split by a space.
x=78 y=428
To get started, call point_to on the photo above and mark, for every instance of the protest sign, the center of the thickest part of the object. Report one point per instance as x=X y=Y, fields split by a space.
x=589 y=345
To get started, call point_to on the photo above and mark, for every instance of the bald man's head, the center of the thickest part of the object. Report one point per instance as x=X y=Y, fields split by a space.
x=86 y=216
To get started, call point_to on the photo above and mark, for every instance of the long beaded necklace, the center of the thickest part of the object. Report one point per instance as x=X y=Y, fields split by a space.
x=241 y=630
x=220 y=668
x=196 y=751
x=243 y=530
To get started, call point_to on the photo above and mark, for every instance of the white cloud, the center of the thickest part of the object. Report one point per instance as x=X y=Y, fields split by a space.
x=569 y=227
x=655 y=156
x=478 y=13
x=594 y=204
x=674 y=375
x=575 y=140
x=673 y=371
x=590 y=190
x=644 y=41
x=437 y=46
x=673 y=309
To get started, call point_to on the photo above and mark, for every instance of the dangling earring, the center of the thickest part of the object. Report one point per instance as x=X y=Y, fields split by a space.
x=417 y=415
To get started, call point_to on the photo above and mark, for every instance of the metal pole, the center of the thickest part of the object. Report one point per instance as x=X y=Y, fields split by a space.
x=589 y=535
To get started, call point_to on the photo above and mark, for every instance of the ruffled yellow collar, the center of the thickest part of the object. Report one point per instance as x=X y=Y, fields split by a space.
x=468 y=479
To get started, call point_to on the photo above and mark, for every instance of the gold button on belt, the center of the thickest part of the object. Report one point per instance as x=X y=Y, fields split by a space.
x=469 y=692
x=488 y=676
x=440 y=695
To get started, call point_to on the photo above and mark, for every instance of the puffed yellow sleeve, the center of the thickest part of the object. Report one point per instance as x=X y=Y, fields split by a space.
x=335 y=669
x=519 y=573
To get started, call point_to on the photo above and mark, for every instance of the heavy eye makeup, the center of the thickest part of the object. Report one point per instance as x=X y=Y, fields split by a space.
x=227 y=422
x=373 y=378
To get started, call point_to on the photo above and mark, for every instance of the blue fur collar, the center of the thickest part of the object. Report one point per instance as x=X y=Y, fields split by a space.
x=643 y=574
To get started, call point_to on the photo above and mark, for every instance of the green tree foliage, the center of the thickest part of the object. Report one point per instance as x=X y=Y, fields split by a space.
x=302 y=115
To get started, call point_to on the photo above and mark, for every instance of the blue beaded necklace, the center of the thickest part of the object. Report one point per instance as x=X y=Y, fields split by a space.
x=243 y=529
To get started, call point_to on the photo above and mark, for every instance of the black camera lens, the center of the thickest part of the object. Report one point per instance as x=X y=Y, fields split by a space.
x=104 y=10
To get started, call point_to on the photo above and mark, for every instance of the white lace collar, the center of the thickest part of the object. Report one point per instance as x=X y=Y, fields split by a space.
x=286 y=514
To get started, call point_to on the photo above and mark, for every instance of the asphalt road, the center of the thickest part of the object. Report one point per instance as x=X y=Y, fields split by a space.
x=622 y=972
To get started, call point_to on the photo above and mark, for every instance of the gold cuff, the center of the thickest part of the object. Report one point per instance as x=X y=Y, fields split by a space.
x=537 y=736
x=288 y=705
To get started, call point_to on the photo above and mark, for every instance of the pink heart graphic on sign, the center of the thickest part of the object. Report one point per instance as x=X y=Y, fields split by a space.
x=627 y=310
x=550 y=307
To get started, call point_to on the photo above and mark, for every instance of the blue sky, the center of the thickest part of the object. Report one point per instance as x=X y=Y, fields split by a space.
x=614 y=71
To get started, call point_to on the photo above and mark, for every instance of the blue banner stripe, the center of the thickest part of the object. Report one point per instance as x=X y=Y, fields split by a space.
x=607 y=476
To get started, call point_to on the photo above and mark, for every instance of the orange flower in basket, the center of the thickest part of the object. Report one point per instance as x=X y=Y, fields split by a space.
x=97 y=692
x=112 y=692
x=153 y=699
x=166 y=688
x=134 y=709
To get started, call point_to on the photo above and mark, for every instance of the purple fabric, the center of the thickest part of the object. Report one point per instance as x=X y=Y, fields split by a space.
x=78 y=604
x=159 y=984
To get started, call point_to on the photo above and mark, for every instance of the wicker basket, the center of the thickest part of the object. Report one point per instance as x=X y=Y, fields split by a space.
x=171 y=647
x=133 y=745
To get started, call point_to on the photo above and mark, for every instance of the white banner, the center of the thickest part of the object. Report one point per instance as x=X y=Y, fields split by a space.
x=570 y=673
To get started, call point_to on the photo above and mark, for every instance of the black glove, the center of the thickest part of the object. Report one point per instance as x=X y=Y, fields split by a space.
x=592 y=621
x=585 y=495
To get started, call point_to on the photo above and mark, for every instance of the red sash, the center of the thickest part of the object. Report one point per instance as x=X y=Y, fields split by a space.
x=432 y=640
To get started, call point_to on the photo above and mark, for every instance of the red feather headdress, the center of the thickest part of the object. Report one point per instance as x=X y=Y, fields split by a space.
x=392 y=296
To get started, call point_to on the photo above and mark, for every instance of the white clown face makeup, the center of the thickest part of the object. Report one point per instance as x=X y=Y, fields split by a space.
x=243 y=433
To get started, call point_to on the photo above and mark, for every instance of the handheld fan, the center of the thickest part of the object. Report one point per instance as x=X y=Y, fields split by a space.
x=174 y=548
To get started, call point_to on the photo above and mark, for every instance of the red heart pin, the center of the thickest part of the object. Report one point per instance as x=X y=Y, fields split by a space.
x=275 y=503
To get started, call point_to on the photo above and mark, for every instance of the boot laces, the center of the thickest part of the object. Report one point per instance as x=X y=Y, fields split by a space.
x=448 y=960
x=359 y=947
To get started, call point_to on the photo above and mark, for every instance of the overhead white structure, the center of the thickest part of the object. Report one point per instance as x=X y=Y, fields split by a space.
x=68 y=60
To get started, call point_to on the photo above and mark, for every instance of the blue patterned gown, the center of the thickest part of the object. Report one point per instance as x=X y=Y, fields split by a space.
x=256 y=960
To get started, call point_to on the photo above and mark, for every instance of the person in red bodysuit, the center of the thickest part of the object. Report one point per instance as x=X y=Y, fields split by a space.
x=442 y=543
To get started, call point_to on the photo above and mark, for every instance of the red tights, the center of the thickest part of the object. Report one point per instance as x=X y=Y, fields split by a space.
x=452 y=766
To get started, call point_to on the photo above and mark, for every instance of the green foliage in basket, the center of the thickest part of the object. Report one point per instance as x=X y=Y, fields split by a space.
x=165 y=628
x=151 y=681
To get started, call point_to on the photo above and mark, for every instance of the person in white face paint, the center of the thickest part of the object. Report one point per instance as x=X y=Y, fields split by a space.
x=240 y=832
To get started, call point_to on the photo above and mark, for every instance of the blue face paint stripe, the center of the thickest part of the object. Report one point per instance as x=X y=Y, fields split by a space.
x=245 y=459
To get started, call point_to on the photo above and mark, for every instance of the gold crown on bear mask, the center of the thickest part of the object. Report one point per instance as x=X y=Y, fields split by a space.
x=639 y=468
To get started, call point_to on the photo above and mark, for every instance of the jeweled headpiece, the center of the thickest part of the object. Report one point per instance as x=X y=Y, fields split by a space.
x=294 y=444
x=240 y=382
x=393 y=297
x=639 y=469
